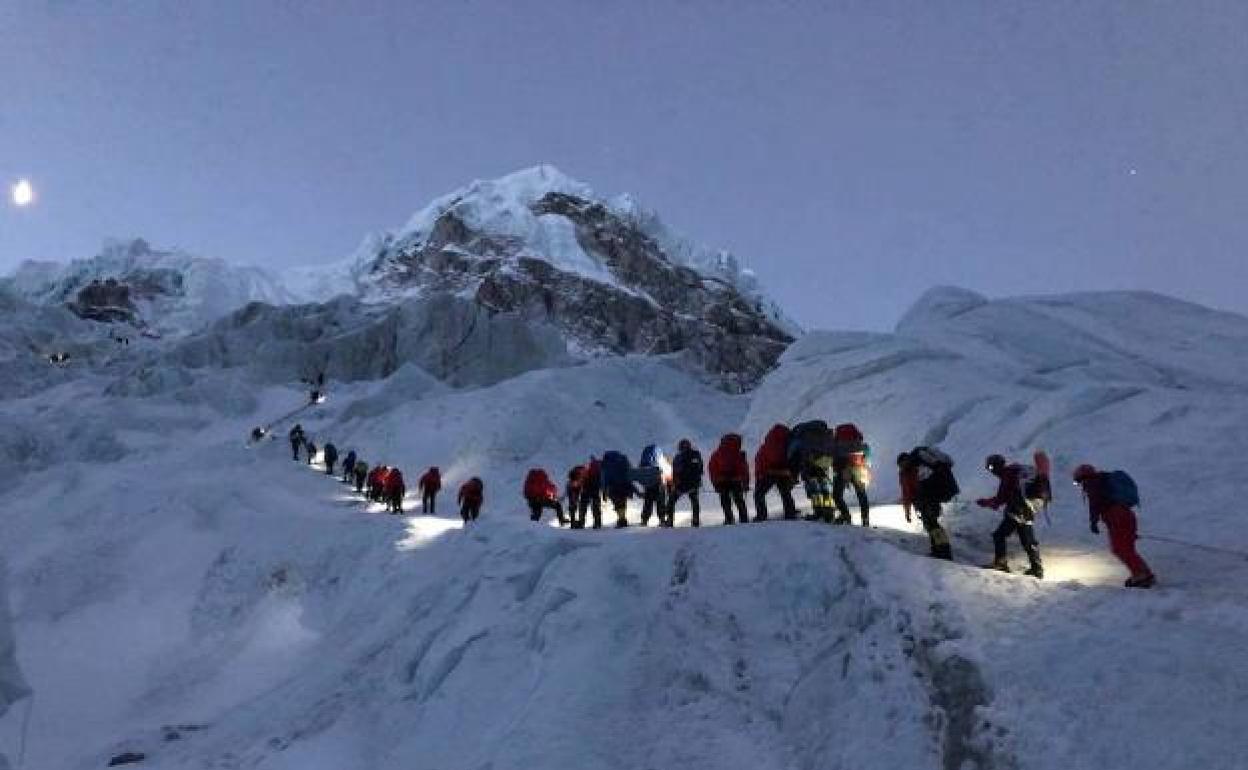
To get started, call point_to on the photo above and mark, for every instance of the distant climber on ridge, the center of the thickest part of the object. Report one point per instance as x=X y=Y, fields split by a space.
x=471 y=497
x=296 y=441
x=331 y=457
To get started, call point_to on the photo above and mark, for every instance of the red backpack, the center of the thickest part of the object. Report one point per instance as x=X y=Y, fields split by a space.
x=847 y=433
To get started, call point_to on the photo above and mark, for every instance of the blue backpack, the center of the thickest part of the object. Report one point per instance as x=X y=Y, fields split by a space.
x=649 y=457
x=615 y=470
x=1120 y=488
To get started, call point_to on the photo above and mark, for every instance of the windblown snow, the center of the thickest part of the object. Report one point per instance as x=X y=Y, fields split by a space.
x=180 y=599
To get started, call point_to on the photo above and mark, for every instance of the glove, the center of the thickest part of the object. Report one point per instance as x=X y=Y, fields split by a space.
x=1095 y=529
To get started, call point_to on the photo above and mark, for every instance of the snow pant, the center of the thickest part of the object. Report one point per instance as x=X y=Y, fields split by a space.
x=591 y=499
x=619 y=502
x=1010 y=524
x=360 y=478
x=819 y=492
x=539 y=504
x=938 y=538
x=654 y=502
x=394 y=501
x=329 y=465
x=1122 y=536
x=695 y=506
x=854 y=476
x=469 y=510
x=574 y=504
x=294 y=449
x=428 y=502
x=728 y=495
x=784 y=484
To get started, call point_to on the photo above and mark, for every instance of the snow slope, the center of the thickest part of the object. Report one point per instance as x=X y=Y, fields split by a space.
x=209 y=605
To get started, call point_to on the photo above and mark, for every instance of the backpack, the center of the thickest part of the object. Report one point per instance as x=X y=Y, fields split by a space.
x=939 y=483
x=812 y=446
x=615 y=470
x=1120 y=488
x=848 y=433
x=649 y=457
x=1039 y=487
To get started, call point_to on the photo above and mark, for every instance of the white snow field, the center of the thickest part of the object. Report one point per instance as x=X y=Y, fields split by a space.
x=180 y=595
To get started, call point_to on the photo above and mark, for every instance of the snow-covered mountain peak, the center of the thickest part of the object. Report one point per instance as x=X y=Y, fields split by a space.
x=131 y=282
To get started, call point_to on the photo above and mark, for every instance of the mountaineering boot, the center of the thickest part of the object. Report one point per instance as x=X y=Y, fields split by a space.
x=1035 y=571
x=866 y=520
x=841 y=520
x=1143 y=581
x=1001 y=565
x=813 y=517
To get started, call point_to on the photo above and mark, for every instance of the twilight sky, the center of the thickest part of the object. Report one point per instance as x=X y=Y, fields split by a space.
x=854 y=153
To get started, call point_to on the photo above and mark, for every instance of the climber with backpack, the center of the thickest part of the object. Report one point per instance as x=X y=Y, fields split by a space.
x=430 y=484
x=395 y=489
x=591 y=494
x=686 y=480
x=296 y=440
x=649 y=476
x=310 y=446
x=1111 y=497
x=348 y=467
x=1019 y=516
x=811 y=453
x=541 y=493
x=361 y=475
x=471 y=497
x=331 y=457
x=730 y=477
x=617 y=484
x=925 y=476
x=377 y=483
x=771 y=469
x=851 y=466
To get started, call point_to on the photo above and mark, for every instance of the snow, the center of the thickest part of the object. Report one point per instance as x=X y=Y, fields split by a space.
x=176 y=592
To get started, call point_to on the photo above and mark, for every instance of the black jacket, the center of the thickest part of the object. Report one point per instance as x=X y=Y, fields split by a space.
x=687 y=470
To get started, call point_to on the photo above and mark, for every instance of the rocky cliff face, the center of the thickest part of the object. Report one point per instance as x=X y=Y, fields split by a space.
x=537 y=246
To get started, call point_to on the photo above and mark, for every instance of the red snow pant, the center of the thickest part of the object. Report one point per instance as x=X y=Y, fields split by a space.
x=1122 y=536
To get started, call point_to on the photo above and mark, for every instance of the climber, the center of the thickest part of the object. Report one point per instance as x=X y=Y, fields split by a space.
x=377 y=483
x=395 y=489
x=296 y=441
x=771 y=469
x=649 y=475
x=591 y=494
x=617 y=484
x=331 y=457
x=1111 y=496
x=572 y=491
x=348 y=467
x=429 y=485
x=542 y=493
x=1019 y=515
x=471 y=496
x=310 y=446
x=926 y=479
x=257 y=434
x=361 y=475
x=811 y=453
x=730 y=477
x=850 y=466
x=686 y=480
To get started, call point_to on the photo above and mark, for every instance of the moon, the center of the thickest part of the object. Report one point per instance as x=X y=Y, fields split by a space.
x=23 y=193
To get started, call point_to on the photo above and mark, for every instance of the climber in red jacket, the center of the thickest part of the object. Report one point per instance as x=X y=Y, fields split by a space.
x=730 y=477
x=542 y=493
x=771 y=469
x=429 y=485
x=1121 y=522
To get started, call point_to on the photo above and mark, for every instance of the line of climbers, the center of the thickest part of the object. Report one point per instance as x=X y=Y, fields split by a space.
x=825 y=460
x=384 y=483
